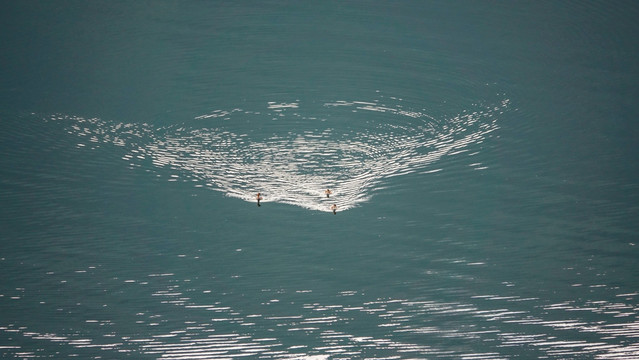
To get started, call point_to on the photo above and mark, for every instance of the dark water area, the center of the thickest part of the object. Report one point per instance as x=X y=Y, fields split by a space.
x=482 y=157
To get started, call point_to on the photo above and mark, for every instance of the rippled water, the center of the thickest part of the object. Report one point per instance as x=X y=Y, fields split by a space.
x=483 y=159
x=297 y=166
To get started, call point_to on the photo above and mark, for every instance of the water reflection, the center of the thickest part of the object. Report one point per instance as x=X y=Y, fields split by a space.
x=293 y=161
x=347 y=325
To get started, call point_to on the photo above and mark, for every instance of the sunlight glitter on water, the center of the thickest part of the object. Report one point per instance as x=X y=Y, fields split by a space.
x=496 y=317
x=297 y=167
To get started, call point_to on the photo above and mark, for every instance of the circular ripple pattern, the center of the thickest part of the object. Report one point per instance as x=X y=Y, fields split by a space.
x=291 y=156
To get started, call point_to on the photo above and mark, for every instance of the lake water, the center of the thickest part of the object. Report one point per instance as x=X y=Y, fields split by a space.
x=483 y=158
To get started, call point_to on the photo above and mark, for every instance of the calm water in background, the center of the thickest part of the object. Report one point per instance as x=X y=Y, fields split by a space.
x=483 y=155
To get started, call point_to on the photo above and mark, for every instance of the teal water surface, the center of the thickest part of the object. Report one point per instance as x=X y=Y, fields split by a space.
x=482 y=157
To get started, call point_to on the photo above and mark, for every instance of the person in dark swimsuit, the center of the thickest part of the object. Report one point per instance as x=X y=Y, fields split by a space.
x=334 y=208
x=328 y=192
x=258 y=197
